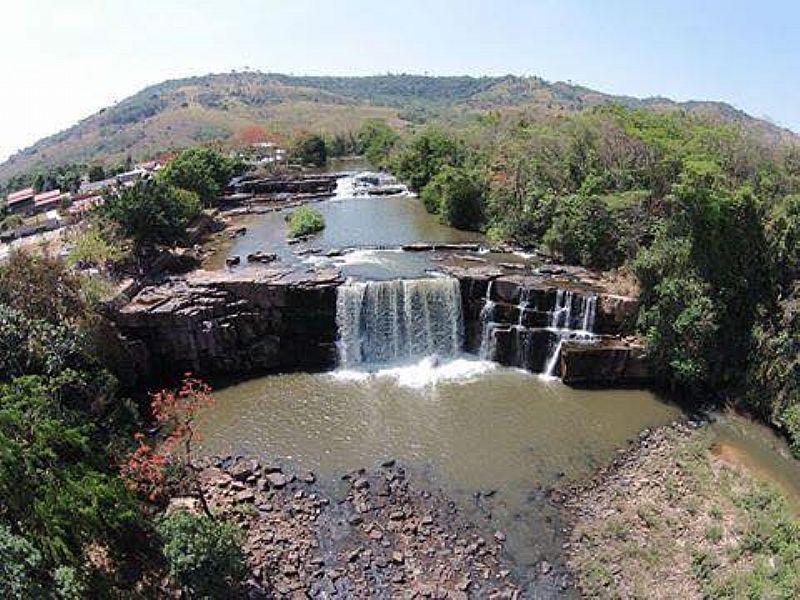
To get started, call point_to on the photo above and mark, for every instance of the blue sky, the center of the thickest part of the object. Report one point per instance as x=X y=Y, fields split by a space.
x=64 y=59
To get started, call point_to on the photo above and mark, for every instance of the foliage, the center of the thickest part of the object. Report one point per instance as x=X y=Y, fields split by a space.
x=305 y=221
x=309 y=150
x=457 y=195
x=205 y=556
x=425 y=155
x=584 y=231
x=151 y=213
x=376 y=139
x=39 y=286
x=20 y=566
x=203 y=171
x=174 y=411
x=100 y=244
x=96 y=173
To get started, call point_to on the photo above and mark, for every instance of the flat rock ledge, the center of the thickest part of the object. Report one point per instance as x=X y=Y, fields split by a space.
x=232 y=323
x=377 y=537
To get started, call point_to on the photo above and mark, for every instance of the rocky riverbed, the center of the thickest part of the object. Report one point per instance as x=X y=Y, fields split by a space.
x=375 y=535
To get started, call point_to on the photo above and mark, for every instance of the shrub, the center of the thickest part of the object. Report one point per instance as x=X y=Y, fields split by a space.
x=305 y=221
x=457 y=195
x=99 y=245
x=204 y=556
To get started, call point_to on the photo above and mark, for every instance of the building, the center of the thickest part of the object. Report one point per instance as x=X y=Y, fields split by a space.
x=51 y=200
x=21 y=202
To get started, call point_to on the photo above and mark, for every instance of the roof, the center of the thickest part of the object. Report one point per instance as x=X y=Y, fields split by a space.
x=50 y=197
x=20 y=196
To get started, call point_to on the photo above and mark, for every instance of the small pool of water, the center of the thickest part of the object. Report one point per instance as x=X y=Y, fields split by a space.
x=755 y=447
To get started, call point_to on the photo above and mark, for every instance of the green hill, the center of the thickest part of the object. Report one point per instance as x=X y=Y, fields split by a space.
x=189 y=111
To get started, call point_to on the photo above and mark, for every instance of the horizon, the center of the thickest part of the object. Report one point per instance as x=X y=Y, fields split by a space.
x=681 y=50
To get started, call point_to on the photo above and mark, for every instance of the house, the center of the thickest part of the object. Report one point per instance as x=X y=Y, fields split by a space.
x=80 y=208
x=21 y=202
x=51 y=200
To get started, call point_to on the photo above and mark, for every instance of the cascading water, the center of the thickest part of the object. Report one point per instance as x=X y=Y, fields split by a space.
x=570 y=324
x=572 y=318
x=487 y=349
x=383 y=322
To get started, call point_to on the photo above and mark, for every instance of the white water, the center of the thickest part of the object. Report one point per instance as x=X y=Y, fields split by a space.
x=424 y=373
x=563 y=324
x=572 y=318
x=383 y=323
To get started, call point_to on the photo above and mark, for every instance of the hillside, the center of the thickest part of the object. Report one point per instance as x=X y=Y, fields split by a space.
x=189 y=111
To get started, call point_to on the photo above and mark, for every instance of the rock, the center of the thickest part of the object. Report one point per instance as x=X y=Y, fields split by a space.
x=500 y=536
x=245 y=496
x=360 y=483
x=277 y=479
x=262 y=257
x=233 y=260
x=545 y=567
x=241 y=471
x=307 y=477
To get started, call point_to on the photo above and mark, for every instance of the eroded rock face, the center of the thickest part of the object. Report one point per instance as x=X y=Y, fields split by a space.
x=610 y=362
x=233 y=323
x=522 y=332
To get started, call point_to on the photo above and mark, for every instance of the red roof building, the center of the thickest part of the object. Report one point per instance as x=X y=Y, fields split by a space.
x=50 y=200
x=20 y=196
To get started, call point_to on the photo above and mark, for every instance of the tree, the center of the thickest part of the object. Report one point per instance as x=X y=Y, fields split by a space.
x=584 y=232
x=205 y=556
x=427 y=154
x=309 y=150
x=175 y=413
x=203 y=171
x=376 y=139
x=96 y=173
x=457 y=195
x=152 y=213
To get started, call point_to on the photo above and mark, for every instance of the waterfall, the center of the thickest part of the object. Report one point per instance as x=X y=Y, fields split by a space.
x=487 y=350
x=388 y=321
x=571 y=318
x=569 y=324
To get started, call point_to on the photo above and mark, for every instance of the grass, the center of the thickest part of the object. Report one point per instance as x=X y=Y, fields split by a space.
x=678 y=522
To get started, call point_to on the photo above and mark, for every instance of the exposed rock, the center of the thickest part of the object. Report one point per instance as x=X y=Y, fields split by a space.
x=262 y=257
x=609 y=363
x=225 y=323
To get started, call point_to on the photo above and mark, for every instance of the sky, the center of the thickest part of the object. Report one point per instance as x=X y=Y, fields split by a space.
x=63 y=60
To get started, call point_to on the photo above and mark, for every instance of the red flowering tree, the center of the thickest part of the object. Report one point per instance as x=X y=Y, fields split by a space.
x=145 y=469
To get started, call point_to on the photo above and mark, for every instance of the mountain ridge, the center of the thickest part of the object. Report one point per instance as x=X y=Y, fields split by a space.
x=185 y=111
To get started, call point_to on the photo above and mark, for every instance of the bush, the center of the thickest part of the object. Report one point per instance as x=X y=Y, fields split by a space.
x=204 y=556
x=20 y=567
x=426 y=155
x=457 y=195
x=99 y=245
x=305 y=221
x=309 y=150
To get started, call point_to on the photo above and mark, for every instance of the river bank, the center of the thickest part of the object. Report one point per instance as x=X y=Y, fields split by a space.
x=671 y=517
